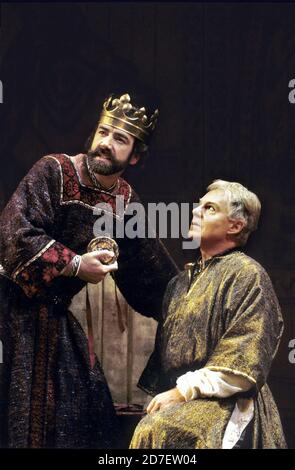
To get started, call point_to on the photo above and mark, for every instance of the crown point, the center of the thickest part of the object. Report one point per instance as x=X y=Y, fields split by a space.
x=127 y=107
x=125 y=98
x=122 y=114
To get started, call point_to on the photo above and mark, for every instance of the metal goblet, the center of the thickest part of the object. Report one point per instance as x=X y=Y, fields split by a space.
x=104 y=243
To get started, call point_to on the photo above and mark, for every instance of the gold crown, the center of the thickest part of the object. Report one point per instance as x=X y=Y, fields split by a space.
x=120 y=113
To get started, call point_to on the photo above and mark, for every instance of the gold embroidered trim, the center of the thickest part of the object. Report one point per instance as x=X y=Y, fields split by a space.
x=25 y=265
x=62 y=202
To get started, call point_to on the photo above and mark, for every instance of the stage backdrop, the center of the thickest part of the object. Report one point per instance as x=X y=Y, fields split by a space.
x=220 y=76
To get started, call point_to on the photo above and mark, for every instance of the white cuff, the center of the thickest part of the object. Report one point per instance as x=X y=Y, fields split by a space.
x=205 y=383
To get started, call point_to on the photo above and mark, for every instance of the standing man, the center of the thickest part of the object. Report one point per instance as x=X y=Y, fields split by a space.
x=220 y=330
x=51 y=394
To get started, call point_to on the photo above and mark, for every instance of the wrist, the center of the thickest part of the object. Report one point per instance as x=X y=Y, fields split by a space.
x=185 y=389
x=72 y=269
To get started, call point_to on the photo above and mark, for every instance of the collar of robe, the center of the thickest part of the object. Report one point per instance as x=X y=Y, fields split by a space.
x=194 y=269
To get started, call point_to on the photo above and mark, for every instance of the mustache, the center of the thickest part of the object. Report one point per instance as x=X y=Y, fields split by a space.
x=101 y=152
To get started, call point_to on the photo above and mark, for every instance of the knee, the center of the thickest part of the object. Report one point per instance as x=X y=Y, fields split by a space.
x=143 y=434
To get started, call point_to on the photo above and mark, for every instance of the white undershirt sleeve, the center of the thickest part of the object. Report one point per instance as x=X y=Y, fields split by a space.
x=208 y=383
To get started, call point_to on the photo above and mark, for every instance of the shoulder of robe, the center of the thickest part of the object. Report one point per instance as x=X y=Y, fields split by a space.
x=248 y=267
x=48 y=162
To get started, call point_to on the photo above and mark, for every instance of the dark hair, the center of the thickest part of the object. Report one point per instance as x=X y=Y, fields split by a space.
x=140 y=149
x=89 y=140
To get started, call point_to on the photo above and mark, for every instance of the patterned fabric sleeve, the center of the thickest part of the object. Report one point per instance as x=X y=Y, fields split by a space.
x=29 y=253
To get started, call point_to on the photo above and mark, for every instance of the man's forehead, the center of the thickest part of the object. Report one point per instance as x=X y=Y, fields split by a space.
x=115 y=129
x=217 y=196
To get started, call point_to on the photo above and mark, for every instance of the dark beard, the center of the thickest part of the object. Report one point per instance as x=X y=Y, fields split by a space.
x=103 y=168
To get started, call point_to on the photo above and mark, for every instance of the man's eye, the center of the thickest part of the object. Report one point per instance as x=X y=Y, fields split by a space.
x=119 y=139
x=101 y=132
x=210 y=208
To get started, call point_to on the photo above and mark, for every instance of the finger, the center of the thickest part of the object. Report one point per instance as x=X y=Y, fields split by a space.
x=156 y=408
x=103 y=269
x=98 y=254
x=111 y=267
x=150 y=406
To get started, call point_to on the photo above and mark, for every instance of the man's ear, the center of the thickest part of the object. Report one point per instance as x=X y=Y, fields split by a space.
x=235 y=226
x=134 y=159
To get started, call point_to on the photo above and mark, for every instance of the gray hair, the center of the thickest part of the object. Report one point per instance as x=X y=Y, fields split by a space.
x=244 y=205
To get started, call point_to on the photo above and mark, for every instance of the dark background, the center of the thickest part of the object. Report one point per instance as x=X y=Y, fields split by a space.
x=219 y=74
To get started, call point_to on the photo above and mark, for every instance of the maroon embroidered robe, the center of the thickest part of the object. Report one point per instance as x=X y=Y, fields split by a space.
x=50 y=396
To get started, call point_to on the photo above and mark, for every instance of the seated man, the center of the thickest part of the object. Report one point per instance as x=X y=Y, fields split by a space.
x=219 y=332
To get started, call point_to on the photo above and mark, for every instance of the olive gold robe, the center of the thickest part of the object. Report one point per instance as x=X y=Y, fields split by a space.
x=227 y=319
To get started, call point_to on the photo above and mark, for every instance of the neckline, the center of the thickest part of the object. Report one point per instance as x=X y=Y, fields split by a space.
x=228 y=251
x=198 y=263
x=197 y=273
